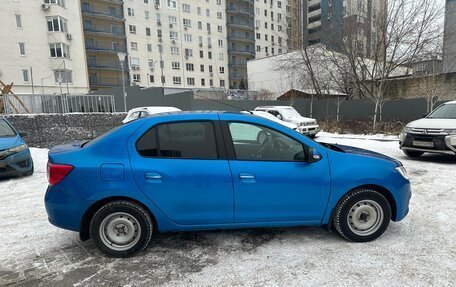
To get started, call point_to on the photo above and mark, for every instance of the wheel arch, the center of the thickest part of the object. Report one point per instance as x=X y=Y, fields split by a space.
x=378 y=188
x=84 y=233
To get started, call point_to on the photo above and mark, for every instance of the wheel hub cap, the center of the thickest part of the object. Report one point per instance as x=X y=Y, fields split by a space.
x=365 y=217
x=120 y=231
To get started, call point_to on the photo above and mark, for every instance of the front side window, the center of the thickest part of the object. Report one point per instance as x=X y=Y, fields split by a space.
x=191 y=140
x=254 y=142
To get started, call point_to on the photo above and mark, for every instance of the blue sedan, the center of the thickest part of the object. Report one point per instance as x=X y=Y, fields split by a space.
x=15 y=158
x=217 y=170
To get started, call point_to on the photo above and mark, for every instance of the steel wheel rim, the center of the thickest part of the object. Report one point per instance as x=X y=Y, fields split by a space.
x=120 y=231
x=365 y=217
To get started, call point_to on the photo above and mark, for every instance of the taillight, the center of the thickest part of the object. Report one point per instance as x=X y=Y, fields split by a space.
x=57 y=172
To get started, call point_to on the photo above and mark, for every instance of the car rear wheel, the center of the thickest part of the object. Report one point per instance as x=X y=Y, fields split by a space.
x=121 y=228
x=413 y=153
x=362 y=215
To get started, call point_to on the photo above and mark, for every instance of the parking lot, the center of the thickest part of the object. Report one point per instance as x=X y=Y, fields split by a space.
x=420 y=250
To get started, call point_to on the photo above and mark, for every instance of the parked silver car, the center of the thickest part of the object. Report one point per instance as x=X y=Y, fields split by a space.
x=435 y=133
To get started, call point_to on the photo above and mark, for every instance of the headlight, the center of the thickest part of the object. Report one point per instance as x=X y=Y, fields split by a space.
x=451 y=131
x=17 y=148
x=407 y=130
x=401 y=169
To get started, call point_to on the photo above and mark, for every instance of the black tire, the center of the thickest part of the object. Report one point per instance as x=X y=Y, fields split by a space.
x=127 y=219
x=413 y=153
x=362 y=215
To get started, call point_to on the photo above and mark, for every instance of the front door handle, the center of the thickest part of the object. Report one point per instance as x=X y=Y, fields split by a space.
x=153 y=177
x=247 y=177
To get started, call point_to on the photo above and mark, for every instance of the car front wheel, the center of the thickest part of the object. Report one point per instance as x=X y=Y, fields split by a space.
x=121 y=228
x=362 y=215
x=413 y=153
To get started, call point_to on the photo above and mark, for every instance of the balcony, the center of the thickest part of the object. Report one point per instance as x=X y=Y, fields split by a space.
x=102 y=14
x=105 y=32
x=251 y=2
x=106 y=82
x=237 y=64
x=242 y=25
x=238 y=76
x=235 y=10
x=242 y=52
x=234 y=37
x=105 y=66
x=118 y=2
x=104 y=49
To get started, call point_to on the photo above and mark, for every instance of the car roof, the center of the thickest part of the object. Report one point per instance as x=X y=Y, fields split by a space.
x=274 y=107
x=450 y=103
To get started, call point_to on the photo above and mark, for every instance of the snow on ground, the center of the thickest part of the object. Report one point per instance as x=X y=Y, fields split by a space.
x=420 y=250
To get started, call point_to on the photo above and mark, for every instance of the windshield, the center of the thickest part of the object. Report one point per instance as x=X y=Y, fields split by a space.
x=447 y=111
x=6 y=130
x=290 y=112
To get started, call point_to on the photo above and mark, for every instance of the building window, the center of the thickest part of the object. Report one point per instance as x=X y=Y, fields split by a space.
x=258 y=48
x=18 y=21
x=209 y=55
x=211 y=83
x=22 y=49
x=221 y=56
x=134 y=45
x=63 y=76
x=188 y=53
x=57 y=24
x=210 y=68
x=220 y=43
x=146 y=15
x=175 y=50
x=222 y=70
x=189 y=67
x=201 y=54
x=59 y=50
x=177 y=80
x=131 y=12
x=191 y=81
x=208 y=13
x=188 y=38
x=25 y=75
x=203 y=82
x=136 y=78
x=134 y=62
x=149 y=47
x=172 y=19
x=198 y=10
x=151 y=78
x=57 y=2
x=219 y=2
x=200 y=25
x=172 y=4
x=219 y=29
x=187 y=23
x=202 y=68
x=222 y=83
x=132 y=29
x=173 y=35
x=219 y=15
x=148 y=32
x=175 y=65
x=185 y=7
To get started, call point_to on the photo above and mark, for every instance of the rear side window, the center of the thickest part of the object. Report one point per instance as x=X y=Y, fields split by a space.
x=179 y=140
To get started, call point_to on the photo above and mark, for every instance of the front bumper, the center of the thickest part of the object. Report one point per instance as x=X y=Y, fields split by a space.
x=308 y=130
x=443 y=144
x=16 y=164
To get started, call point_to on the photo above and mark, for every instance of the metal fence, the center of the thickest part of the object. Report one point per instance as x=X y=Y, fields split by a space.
x=60 y=104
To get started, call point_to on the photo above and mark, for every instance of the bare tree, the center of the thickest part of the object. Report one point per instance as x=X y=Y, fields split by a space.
x=402 y=30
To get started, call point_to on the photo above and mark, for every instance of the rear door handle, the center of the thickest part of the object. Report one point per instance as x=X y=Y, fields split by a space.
x=153 y=177
x=247 y=177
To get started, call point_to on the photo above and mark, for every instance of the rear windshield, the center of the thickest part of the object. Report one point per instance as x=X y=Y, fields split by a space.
x=447 y=111
x=6 y=130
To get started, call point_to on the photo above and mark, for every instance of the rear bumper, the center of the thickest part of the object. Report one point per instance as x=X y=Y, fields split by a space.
x=16 y=164
x=443 y=144
x=63 y=209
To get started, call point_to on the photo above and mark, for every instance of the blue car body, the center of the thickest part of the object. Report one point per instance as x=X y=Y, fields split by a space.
x=15 y=158
x=196 y=194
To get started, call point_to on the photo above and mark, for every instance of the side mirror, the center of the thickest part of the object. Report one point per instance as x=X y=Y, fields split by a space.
x=23 y=134
x=314 y=155
x=425 y=115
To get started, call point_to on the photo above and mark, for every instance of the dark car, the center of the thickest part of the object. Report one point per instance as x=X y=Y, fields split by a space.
x=15 y=158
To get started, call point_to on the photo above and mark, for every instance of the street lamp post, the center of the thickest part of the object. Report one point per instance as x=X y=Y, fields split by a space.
x=122 y=56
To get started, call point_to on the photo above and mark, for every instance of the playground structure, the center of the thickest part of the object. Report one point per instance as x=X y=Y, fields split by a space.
x=7 y=103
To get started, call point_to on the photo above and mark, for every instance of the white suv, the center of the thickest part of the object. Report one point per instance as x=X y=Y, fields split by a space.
x=436 y=133
x=140 y=112
x=307 y=126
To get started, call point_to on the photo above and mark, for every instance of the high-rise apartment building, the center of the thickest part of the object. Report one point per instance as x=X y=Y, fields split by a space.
x=449 y=38
x=104 y=31
x=328 y=21
x=177 y=43
x=42 y=47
